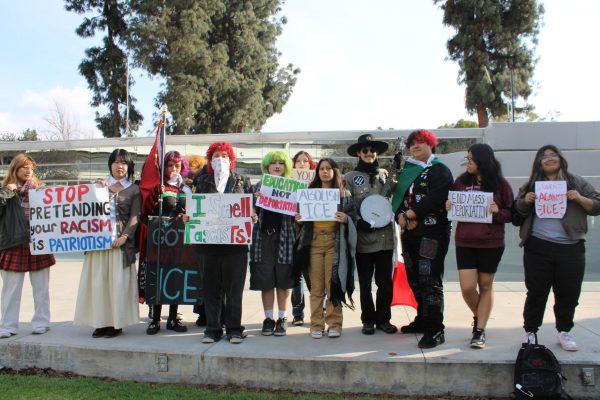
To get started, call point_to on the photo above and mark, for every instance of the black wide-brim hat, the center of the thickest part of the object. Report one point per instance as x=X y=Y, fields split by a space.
x=367 y=140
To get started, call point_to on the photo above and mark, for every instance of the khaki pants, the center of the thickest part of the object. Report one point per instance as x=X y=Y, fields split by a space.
x=321 y=260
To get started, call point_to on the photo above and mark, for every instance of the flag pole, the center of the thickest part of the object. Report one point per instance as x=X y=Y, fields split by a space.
x=161 y=158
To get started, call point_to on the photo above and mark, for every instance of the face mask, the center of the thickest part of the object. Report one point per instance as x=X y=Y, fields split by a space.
x=175 y=179
x=220 y=165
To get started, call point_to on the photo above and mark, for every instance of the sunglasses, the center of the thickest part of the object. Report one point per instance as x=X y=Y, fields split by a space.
x=366 y=150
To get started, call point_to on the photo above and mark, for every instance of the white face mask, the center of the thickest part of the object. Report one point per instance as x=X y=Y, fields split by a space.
x=220 y=165
x=175 y=180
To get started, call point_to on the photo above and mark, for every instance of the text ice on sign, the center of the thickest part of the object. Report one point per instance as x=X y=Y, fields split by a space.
x=318 y=204
x=550 y=199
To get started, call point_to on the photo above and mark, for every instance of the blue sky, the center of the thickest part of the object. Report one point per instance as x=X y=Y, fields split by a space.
x=364 y=64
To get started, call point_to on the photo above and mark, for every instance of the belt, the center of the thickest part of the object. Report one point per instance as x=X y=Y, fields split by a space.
x=324 y=231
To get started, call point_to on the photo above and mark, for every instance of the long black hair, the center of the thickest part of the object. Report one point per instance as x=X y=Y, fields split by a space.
x=337 y=176
x=537 y=173
x=488 y=166
x=124 y=156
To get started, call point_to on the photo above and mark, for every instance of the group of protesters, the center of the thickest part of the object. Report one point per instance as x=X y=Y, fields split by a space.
x=287 y=253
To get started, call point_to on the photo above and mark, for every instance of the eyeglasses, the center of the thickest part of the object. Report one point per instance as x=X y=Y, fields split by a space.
x=549 y=156
x=366 y=150
x=469 y=159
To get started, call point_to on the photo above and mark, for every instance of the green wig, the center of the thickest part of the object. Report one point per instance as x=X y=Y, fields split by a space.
x=277 y=155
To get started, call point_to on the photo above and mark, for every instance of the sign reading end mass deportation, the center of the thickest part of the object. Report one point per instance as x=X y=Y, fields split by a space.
x=318 y=204
x=278 y=194
x=219 y=218
x=550 y=199
x=66 y=219
x=470 y=207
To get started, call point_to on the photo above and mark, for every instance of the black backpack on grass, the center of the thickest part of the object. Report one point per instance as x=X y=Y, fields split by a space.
x=538 y=374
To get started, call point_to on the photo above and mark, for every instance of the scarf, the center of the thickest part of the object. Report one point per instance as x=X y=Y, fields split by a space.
x=412 y=169
x=371 y=169
x=23 y=191
x=221 y=167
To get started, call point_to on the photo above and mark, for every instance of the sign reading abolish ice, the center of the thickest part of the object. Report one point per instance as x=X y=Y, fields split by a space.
x=470 y=207
x=66 y=219
x=219 y=218
x=318 y=204
x=278 y=194
x=550 y=199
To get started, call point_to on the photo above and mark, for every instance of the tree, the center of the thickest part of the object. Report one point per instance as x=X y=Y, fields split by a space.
x=61 y=125
x=106 y=68
x=461 y=123
x=494 y=44
x=218 y=59
x=28 y=135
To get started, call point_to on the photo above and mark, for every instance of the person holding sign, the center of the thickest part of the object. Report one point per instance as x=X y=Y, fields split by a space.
x=302 y=162
x=15 y=256
x=273 y=239
x=480 y=245
x=326 y=250
x=223 y=266
x=108 y=294
x=173 y=194
x=554 y=256
x=419 y=204
x=374 y=250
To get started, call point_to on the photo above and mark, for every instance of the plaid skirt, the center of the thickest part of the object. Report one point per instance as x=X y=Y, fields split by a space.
x=20 y=259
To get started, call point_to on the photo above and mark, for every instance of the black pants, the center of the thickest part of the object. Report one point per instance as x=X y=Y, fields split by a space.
x=424 y=257
x=224 y=275
x=378 y=263
x=557 y=266
x=157 y=310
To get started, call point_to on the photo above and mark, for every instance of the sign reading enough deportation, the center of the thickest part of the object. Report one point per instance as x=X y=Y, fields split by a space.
x=175 y=279
x=66 y=219
x=470 y=207
x=278 y=194
x=318 y=204
x=219 y=218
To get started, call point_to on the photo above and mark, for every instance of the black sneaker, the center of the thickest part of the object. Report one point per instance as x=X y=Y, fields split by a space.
x=99 y=332
x=153 y=328
x=281 y=327
x=268 y=327
x=368 y=329
x=387 y=327
x=176 y=325
x=111 y=332
x=478 y=341
x=413 y=327
x=431 y=340
x=298 y=321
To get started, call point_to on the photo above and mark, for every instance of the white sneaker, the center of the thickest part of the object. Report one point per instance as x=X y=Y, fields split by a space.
x=528 y=337
x=40 y=330
x=5 y=334
x=566 y=341
x=316 y=334
x=333 y=333
x=207 y=340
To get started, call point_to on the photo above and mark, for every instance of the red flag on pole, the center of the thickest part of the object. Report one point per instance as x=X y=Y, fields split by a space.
x=402 y=293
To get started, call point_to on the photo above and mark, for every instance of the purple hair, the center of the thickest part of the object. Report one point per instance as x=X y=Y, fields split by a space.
x=177 y=157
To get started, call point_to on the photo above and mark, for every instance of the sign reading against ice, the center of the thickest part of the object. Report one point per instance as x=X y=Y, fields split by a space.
x=278 y=194
x=550 y=199
x=66 y=219
x=219 y=218
x=470 y=207
x=318 y=204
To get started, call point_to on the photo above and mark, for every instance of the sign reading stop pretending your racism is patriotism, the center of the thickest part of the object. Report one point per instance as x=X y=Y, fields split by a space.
x=470 y=207
x=550 y=199
x=219 y=218
x=279 y=194
x=318 y=204
x=65 y=219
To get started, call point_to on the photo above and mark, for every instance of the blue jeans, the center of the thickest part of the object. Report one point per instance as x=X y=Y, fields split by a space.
x=298 y=299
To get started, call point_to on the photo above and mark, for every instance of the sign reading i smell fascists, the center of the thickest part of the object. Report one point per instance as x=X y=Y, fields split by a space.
x=66 y=219
x=470 y=207
x=219 y=218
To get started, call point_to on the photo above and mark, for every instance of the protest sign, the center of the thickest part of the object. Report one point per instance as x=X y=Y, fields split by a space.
x=304 y=175
x=66 y=219
x=175 y=279
x=219 y=218
x=278 y=194
x=550 y=199
x=470 y=207
x=318 y=204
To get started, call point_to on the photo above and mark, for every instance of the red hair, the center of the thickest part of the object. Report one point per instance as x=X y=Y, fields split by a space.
x=219 y=146
x=422 y=135
x=311 y=163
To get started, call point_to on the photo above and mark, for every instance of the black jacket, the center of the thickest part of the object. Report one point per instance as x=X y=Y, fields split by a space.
x=14 y=227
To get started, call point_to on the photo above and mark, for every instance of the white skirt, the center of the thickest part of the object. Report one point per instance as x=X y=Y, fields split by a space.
x=108 y=293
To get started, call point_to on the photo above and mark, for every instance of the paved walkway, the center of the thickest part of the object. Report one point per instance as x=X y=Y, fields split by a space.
x=353 y=363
